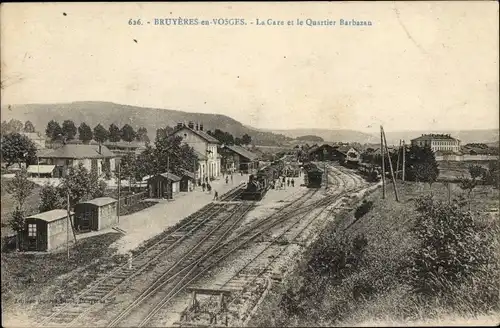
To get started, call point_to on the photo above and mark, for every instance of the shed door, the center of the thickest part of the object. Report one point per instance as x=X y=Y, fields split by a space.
x=32 y=237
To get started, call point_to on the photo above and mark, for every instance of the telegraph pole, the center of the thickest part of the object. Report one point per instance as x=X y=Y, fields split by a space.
x=67 y=223
x=383 y=162
x=119 y=182
x=397 y=164
x=404 y=163
x=168 y=170
x=390 y=166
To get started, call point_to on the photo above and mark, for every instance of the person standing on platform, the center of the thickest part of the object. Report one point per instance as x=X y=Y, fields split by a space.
x=216 y=195
x=203 y=186
x=293 y=182
x=231 y=177
x=227 y=179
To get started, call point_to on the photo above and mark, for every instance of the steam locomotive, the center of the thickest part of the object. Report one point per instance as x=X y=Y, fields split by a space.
x=259 y=184
x=313 y=176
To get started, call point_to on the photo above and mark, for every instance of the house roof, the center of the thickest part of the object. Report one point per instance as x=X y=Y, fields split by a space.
x=101 y=201
x=167 y=175
x=187 y=173
x=345 y=149
x=202 y=134
x=42 y=169
x=78 y=151
x=434 y=137
x=242 y=152
x=51 y=216
x=124 y=144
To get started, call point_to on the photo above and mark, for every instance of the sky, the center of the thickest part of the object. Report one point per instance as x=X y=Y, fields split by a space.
x=420 y=66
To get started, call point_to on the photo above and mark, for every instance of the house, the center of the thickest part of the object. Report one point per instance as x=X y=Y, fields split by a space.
x=46 y=231
x=96 y=214
x=123 y=147
x=37 y=138
x=41 y=171
x=163 y=185
x=205 y=147
x=325 y=153
x=438 y=142
x=350 y=154
x=188 y=181
x=93 y=158
x=235 y=157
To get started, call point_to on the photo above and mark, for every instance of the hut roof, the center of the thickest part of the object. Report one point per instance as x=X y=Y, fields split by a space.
x=50 y=216
x=101 y=201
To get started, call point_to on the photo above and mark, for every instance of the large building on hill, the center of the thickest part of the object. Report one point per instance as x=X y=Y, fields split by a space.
x=438 y=142
x=205 y=147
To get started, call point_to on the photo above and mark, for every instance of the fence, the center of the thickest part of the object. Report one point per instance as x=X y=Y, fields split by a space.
x=133 y=199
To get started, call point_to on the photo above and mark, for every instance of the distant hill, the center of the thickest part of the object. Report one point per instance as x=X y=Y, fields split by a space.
x=330 y=135
x=465 y=136
x=310 y=138
x=95 y=112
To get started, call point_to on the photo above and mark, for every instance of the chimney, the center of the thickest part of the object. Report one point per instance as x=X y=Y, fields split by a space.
x=191 y=125
x=201 y=126
x=197 y=126
x=100 y=149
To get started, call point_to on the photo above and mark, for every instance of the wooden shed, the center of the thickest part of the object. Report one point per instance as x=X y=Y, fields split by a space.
x=187 y=181
x=96 y=214
x=160 y=184
x=46 y=231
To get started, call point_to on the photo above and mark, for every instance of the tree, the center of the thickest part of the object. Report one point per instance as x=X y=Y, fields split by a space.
x=128 y=167
x=238 y=141
x=100 y=133
x=128 y=133
x=18 y=148
x=142 y=135
x=420 y=165
x=452 y=248
x=20 y=188
x=17 y=223
x=491 y=175
x=69 y=130
x=146 y=163
x=53 y=130
x=114 y=133
x=78 y=183
x=477 y=172
x=85 y=132
x=29 y=127
x=246 y=139
x=51 y=198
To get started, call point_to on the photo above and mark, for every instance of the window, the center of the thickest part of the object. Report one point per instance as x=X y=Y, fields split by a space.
x=31 y=230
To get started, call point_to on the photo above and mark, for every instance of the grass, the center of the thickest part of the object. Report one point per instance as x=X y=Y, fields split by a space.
x=125 y=210
x=355 y=272
x=49 y=278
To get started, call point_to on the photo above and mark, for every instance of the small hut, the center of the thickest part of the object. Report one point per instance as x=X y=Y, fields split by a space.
x=46 y=231
x=96 y=214
x=163 y=185
x=187 y=181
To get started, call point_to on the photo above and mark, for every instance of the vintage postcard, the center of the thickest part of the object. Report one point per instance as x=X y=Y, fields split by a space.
x=255 y=164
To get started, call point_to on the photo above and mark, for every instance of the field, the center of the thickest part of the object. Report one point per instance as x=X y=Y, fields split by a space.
x=355 y=274
x=48 y=278
x=452 y=170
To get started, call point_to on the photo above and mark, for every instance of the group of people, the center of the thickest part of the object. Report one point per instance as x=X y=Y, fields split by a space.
x=280 y=183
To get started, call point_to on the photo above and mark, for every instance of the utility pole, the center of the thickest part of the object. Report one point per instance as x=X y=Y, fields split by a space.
x=119 y=182
x=67 y=223
x=168 y=172
x=390 y=166
x=399 y=155
x=383 y=162
x=404 y=163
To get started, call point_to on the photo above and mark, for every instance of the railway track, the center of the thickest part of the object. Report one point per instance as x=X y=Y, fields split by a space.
x=105 y=286
x=255 y=269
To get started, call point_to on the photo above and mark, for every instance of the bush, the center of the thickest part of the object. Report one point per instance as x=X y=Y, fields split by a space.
x=455 y=253
x=362 y=209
